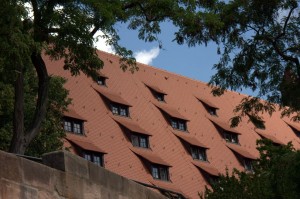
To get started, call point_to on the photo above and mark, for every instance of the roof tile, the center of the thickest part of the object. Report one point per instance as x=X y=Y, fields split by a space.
x=149 y=155
x=130 y=125
x=113 y=97
x=189 y=139
x=86 y=145
x=205 y=166
x=238 y=149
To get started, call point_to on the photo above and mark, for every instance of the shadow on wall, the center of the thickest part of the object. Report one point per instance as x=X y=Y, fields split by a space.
x=64 y=175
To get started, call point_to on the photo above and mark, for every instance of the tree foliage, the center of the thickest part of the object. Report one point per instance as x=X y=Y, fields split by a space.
x=65 y=30
x=260 y=50
x=276 y=175
x=52 y=132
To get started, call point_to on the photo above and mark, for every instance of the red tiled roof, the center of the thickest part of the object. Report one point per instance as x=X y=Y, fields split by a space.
x=294 y=125
x=170 y=111
x=113 y=97
x=223 y=125
x=189 y=139
x=166 y=147
x=155 y=88
x=166 y=185
x=205 y=166
x=238 y=149
x=130 y=125
x=103 y=75
x=149 y=155
x=207 y=102
x=71 y=113
x=86 y=145
x=267 y=135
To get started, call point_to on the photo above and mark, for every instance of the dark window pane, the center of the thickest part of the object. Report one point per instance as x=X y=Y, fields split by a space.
x=163 y=173
x=77 y=128
x=194 y=153
x=114 y=110
x=155 y=172
x=181 y=126
x=87 y=157
x=143 y=142
x=67 y=126
x=101 y=81
x=248 y=164
x=212 y=111
x=123 y=111
x=174 y=124
x=97 y=160
x=135 y=140
x=160 y=97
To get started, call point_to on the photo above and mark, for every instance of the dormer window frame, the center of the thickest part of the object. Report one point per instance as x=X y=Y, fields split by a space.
x=140 y=140
x=231 y=137
x=212 y=111
x=248 y=164
x=101 y=80
x=73 y=125
x=198 y=153
x=95 y=157
x=160 y=172
x=119 y=109
x=159 y=96
x=178 y=124
x=210 y=108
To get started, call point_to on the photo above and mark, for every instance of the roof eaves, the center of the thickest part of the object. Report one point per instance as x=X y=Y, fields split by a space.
x=149 y=156
x=296 y=127
x=73 y=114
x=190 y=140
x=86 y=145
x=206 y=167
x=112 y=96
x=268 y=136
x=207 y=102
x=155 y=88
x=130 y=125
x=223 y=126
x=237 y=149
x=170 y=111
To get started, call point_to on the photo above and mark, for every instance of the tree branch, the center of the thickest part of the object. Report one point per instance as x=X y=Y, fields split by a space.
x=285 y=24
x=41 y=105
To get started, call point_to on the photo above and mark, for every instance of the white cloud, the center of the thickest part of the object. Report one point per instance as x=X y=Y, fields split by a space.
x=101 y=43
x=146 y=57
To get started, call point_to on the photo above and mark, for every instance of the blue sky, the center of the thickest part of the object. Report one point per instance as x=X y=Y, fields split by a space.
x=193 y=62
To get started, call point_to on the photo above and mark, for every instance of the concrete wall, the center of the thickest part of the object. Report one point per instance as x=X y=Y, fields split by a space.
x=64 y=175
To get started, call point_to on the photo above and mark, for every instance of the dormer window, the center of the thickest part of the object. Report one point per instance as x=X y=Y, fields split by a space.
x=139 y=140
x=210 y=107
x=198 y=153
x=248 y=164
x=101 y=80
x=231 y=137
x=120 y=109
x=160 y=97
x=178 y=124
x=94 y=157
x=160 y=172
x=73 y=125
x=212 y=111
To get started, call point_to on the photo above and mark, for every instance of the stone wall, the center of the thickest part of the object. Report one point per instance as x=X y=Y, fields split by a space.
x=64 y=175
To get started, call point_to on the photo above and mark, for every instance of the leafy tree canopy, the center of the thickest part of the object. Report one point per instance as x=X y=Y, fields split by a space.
x=65 y=30
x=259 y=47
x=276 y=175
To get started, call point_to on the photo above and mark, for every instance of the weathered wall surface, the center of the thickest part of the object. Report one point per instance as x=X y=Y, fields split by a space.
x=64 y=175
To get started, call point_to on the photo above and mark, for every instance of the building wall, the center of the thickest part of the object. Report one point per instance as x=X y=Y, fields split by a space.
x=64 y=175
